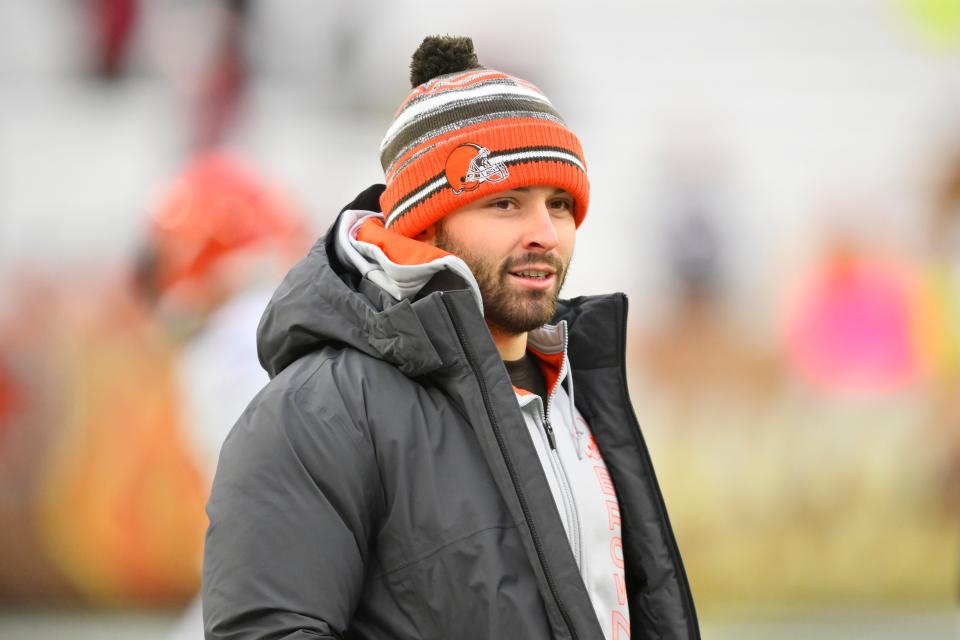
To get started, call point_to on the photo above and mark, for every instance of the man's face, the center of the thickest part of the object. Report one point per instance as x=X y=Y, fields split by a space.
x=518 y=243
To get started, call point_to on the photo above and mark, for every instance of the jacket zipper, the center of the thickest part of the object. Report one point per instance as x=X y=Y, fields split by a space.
x=511 y=468
x=690 y=610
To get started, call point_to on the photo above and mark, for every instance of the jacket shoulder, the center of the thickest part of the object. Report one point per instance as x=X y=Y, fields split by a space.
x=332 y=385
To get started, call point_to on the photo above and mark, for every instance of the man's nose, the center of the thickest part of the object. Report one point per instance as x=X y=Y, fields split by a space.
x=541 y=232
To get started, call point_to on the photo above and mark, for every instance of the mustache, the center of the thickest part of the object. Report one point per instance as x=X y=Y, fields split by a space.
x=548 y=259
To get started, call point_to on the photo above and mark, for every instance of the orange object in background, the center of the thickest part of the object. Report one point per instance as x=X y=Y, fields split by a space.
x=120 y=507
x=217 y=207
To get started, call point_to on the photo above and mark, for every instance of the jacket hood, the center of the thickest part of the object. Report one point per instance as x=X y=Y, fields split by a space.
x=358 y=286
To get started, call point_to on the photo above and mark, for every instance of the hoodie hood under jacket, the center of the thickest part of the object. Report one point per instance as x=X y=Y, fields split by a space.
x=333 y=297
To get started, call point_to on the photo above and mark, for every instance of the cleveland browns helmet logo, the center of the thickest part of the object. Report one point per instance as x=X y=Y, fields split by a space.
x=469 y=165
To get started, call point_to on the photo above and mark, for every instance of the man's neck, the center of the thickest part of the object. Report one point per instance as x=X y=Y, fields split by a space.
x=511 y=346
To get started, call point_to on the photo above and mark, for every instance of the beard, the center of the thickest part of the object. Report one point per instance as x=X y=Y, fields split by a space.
x=511 y=309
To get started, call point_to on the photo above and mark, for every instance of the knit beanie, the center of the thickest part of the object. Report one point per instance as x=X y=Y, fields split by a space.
x=465 y=132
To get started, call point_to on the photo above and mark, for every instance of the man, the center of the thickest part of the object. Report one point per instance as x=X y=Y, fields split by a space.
x=418 y=466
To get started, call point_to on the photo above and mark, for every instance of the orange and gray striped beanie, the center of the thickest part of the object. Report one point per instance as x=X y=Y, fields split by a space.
x=465 y=132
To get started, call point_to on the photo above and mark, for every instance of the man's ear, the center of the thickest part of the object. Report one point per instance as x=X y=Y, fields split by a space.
x=428 y=235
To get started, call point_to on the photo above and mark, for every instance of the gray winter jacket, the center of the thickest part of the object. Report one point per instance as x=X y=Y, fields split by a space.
x=383 y=484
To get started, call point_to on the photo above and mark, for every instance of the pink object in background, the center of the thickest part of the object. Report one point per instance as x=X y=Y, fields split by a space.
x=851 y=328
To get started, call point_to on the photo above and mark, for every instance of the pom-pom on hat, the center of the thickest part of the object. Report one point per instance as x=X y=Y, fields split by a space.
x=465 y=132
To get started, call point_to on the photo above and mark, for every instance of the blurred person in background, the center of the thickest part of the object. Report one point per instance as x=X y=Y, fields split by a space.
x=218 y=244
x=207 y=63
x=106 y=448
x=418 y=465
x=697 y=353
x=111 y=25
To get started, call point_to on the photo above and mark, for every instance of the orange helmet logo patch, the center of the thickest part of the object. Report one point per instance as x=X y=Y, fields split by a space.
x=469 y=165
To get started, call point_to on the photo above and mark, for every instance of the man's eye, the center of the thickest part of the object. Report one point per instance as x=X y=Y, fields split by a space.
x=501 y=204
x=562 y=205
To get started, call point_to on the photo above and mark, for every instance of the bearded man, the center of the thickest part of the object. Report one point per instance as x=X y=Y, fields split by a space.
x=418 y=466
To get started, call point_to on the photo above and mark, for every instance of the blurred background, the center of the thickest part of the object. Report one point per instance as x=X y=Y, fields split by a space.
x=775 y=184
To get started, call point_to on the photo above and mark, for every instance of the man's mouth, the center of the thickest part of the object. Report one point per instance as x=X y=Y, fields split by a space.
x=532 y=274
x=536 y=277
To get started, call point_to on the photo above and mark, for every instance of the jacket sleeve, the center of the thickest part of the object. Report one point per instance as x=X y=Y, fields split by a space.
x=291 y=513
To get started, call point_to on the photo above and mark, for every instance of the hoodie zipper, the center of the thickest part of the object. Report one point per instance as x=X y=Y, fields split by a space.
x=559 y=471
x=551 y=438
x=511 y=467
x=566 y=492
